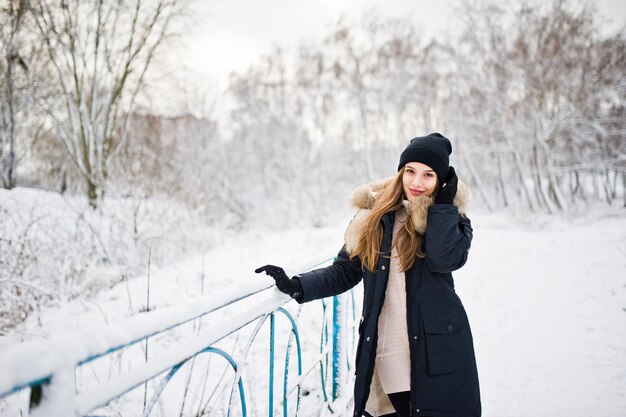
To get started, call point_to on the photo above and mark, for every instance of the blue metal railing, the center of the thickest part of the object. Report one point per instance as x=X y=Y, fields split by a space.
x=51 y=380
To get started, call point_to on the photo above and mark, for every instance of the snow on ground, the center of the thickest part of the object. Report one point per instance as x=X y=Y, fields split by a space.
x=546 y=298
x=547 y=301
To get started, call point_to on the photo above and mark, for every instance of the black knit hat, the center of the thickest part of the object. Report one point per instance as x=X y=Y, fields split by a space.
x=433 y=150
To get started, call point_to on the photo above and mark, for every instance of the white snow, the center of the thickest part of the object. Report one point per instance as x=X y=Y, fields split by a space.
x=546 y=298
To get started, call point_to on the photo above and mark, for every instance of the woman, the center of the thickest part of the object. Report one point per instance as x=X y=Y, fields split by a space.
x=415 y=352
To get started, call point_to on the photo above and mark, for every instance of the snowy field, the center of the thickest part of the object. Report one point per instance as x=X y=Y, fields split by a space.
x=546 y=298
x=547 y=301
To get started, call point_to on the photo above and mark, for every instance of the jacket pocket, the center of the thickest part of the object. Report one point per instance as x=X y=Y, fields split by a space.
x=448 y=342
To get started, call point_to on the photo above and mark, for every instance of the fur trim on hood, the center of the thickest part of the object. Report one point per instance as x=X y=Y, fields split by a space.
x=364 y=196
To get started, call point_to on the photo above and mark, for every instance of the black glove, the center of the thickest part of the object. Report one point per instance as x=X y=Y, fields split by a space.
x=446 y=192
x=292 y=286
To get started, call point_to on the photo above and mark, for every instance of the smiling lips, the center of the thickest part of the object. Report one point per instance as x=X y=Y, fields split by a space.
x=415 y=192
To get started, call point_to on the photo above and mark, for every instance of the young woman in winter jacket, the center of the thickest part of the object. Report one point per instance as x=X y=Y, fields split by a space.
x=415 y=353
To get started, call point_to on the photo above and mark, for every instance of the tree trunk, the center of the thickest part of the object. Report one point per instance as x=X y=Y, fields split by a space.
x=596 y=186
x=624 y=187
x=8 y=151
x=575 y=187
x=505 y=199
x=606 y=185
x=522 y=175
x=553 y=188
x=478 y=183
x=12 y=57
x=539 y=191
x=92 y=193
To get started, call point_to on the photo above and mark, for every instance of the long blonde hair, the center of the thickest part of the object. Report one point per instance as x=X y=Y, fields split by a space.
x=409 y=242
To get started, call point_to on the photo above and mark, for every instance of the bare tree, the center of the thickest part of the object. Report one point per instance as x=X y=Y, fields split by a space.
x=12 y=97
x=99 y=53
x=540 y=92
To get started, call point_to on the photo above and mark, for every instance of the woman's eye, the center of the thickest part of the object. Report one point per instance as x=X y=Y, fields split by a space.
x=429 y=174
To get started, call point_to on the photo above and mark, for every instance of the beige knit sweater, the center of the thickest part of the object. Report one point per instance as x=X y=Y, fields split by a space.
x=392 y=352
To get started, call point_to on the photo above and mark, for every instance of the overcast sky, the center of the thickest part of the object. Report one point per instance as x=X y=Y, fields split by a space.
x=229 y=35
x=238 y=31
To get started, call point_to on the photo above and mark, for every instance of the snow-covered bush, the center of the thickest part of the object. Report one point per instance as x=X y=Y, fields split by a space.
x=54 y=248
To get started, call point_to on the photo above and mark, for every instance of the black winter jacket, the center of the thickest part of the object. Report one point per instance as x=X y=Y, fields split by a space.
x=444 y=377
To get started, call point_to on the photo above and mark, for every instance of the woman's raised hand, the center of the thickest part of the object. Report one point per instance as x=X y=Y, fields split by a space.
x=446 y=192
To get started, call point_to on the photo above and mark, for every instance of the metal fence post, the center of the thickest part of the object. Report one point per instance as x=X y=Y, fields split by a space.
x=338 y=344
x=271 y=400
x=54 y=398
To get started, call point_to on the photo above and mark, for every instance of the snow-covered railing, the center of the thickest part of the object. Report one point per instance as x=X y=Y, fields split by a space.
x=48 y=367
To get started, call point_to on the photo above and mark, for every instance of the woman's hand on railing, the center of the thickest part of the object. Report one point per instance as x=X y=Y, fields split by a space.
x=290 y=286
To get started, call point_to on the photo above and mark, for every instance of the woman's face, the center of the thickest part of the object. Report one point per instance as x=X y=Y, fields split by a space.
x=418 y=179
